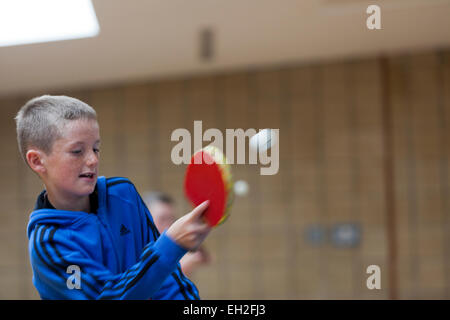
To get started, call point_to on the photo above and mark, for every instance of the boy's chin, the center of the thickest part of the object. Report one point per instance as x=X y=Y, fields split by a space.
x=88 y=187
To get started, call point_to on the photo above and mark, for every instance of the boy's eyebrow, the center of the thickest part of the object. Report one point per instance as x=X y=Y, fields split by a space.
x=82 y=142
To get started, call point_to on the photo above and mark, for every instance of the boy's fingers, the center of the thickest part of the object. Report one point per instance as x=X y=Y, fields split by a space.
x=204 y=228
x=198 y=210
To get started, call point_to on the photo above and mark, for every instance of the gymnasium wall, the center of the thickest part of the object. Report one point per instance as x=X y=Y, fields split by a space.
x=363 y=141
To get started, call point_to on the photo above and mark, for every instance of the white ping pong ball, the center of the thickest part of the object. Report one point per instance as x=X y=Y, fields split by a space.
x=241 y=188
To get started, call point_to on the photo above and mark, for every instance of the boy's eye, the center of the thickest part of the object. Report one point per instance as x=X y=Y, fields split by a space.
x=96 y=150
x=76 y=151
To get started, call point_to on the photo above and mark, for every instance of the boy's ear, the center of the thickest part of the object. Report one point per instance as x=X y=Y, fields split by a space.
x=36 y=161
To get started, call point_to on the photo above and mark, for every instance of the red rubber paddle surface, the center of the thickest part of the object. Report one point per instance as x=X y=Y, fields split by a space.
x=203 y=182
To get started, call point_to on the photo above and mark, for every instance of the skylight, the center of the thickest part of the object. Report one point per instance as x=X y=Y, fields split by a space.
x=32 y=21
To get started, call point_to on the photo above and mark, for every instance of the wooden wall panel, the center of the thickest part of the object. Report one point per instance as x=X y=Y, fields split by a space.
x=417 y=101
x=332 y=162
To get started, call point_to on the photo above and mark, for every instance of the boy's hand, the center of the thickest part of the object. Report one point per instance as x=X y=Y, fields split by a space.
x=190 y=230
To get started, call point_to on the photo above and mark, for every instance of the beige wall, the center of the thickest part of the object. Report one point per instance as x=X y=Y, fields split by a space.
x=360 y=141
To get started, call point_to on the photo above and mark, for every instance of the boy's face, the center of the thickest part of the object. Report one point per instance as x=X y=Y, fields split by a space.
x=71 y=167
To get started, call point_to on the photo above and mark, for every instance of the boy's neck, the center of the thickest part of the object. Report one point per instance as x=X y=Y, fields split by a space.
x=82 y=205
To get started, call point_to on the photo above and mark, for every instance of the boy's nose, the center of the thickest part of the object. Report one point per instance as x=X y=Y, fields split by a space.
x=92 y=159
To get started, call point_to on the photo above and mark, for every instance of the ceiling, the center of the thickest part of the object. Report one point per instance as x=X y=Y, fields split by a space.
x=156 y=39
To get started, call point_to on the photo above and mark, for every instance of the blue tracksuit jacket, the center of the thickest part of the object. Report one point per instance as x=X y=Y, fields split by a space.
x=118 y=250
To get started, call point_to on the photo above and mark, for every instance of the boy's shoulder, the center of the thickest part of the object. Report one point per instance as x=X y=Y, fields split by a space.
x=120 y=187
x=118 y=184
x=113 y=181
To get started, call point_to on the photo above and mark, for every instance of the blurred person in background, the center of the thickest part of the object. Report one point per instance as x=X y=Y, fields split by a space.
x=162 y=208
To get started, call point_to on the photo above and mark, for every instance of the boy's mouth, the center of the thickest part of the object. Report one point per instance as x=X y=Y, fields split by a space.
x=88 y=175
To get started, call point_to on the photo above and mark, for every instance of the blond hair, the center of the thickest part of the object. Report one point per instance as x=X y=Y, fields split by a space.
x=40 y=121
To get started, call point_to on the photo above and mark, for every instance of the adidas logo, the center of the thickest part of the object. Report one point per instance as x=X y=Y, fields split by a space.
x=124 y=230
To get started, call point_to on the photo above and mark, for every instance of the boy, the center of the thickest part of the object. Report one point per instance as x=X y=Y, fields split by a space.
x=93 y=237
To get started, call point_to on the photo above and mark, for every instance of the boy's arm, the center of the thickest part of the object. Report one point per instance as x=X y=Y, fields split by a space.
x=177 y=287
x=52 y=255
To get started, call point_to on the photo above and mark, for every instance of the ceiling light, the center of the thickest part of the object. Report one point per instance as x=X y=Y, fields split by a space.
x=31 y=21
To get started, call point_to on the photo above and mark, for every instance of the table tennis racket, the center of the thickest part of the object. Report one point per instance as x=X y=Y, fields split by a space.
x=208 y=177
